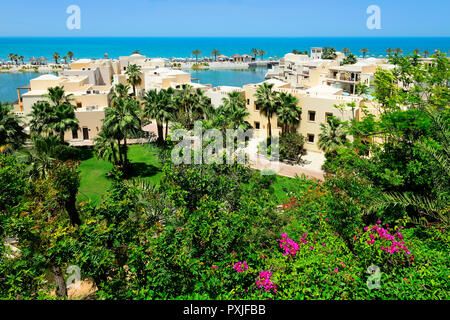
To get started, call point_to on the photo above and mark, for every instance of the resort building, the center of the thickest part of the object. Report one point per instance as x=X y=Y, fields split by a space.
x=241 y=58
x=301 y=71
x=317 y=103
x=99 y=72
x=217 y=94
x=348 y=76
x=90 y=101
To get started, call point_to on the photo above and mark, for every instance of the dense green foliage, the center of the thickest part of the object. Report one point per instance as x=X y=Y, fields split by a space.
x=214 y=231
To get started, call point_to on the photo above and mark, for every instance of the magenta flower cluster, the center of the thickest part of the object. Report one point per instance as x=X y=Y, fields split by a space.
x=240 y=266
x=264 y=281
x=289 y=246
x=396 y=241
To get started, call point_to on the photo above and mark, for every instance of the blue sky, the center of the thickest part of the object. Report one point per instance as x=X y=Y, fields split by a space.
x=280 y=18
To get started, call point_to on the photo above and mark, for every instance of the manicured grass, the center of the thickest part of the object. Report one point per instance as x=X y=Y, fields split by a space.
x=94 y=179
x=146 y=165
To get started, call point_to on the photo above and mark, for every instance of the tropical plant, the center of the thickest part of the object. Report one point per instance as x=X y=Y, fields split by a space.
x=364 y=51
x=346 y=51
x=215 y=53
x=266 y=99
x=196 y=53
x=134 y=73
x=233 y=111
x=288 y=112
x=329 y=53
x=12 y=134
x=261 y=54
x=254 y=52
x=56 y=56
x=159 y=105
x=121 y=122
x=70 y=55
x=350 y=59
x=333 y=135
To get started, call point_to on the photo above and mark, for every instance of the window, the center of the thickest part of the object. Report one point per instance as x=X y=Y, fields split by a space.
x=257 y=125
x=312 y=115
x=79 y=104
x=327 y=116
x=74 y=134
x=248 y=101
x=256 y=107
x=310 y=138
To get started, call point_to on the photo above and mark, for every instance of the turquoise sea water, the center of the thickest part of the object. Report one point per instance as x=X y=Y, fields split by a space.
x=182 y=47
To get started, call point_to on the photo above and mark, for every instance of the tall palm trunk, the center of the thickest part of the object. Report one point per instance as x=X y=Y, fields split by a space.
x=160 y=128
x=269 y=127
x=114 y=153
x=120 y=152
x=134 y=90
x=61 y=290
x=125 y=153
x=167 y=129
x=72 y=210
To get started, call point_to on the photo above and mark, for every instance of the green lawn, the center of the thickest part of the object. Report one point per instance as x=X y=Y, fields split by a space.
x=146 y=165
x=94 y=180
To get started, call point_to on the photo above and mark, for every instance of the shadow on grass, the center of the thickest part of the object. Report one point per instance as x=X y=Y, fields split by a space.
x=84 y=153
x=142 y=170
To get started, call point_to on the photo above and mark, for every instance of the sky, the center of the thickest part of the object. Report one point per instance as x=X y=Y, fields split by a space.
x=224 y=18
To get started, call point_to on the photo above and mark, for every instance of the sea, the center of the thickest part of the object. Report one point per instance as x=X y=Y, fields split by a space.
x=177 y=47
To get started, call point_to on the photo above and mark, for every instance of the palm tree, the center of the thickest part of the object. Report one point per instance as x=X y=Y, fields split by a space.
x=332 y=136
x=398 y=50
x=11 y=56
x=21 y=58
x=389 y=51
x=65 y=59
x=215 y=53
x=425 y=53
x=255 y=52
x=134 y=73
x=106 y=147
x=153 y=100
x=266 y=99
x=288 y=111
x=122 y=121
x=364 y=51
x=196 y=53
x=42 y=117
x=11 y=129
x=120 y=91
x=70 y=55
x=234 y=111
x=346 y=51
x=40 y=157
x=64 y=120
x=262 y=53
x=56 y=56
x=416 y=52
x=16 y=59
x=58 y=96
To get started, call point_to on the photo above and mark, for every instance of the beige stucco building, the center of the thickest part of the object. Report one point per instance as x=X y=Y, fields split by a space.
x=317 y=104
x=89 y=99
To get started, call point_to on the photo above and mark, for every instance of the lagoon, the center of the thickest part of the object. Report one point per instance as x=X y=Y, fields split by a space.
x=9 y=82
x=235 y=78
